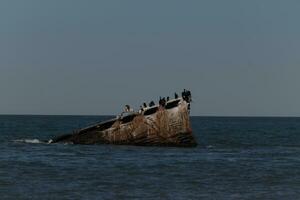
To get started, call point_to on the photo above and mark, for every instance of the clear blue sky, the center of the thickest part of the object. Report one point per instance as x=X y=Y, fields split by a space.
x=91 y=57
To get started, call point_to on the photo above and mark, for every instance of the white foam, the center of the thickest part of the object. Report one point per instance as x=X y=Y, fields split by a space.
x=30 y=141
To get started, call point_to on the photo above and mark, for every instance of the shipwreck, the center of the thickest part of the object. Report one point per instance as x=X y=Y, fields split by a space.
x=165 y=124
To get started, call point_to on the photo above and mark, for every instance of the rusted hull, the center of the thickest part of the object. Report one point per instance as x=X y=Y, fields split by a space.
x=165 y=127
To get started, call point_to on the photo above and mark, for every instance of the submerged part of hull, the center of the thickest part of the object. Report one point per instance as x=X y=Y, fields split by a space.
x=156 y=126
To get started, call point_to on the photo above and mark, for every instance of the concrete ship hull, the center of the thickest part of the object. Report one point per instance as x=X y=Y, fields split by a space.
x=156 y=126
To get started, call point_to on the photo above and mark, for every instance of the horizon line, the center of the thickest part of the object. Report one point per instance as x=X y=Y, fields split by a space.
x=95 y=115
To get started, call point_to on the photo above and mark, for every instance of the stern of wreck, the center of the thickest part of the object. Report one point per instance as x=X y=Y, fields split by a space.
x=155 y=126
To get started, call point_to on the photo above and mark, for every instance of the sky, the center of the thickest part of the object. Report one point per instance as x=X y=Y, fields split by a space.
x=70 y=57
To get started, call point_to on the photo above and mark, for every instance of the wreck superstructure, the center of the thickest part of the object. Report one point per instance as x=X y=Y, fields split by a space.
x=167 y=125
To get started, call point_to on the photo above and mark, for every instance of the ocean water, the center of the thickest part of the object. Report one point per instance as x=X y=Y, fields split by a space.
x=237 y=158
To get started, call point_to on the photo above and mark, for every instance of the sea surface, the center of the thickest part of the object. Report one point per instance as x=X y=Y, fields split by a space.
x=237 y=158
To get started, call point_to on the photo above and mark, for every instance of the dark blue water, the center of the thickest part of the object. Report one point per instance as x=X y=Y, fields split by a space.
x=237 y=158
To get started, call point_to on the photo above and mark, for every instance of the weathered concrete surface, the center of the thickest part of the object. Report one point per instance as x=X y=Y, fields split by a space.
x=166 y=127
